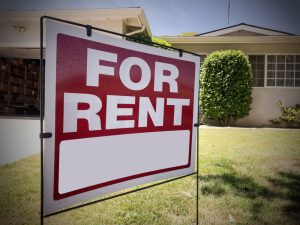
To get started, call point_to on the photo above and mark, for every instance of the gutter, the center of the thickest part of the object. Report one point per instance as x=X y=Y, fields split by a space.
x=137 y=31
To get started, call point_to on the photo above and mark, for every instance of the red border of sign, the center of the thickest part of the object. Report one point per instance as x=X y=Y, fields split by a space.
x=59 y=196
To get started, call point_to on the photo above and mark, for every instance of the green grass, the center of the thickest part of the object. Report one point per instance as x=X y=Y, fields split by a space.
x=247 y=176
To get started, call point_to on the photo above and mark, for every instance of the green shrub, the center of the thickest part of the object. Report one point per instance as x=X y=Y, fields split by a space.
x=226 y=86
x=160 y=41
x=146 y=39
x=289 y=115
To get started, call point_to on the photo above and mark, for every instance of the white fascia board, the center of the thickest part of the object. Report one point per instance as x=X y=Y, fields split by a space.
x=234 y=40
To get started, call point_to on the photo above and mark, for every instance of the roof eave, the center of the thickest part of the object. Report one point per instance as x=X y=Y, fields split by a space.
x=232 y=40
x=79 y=15
x=73 y=14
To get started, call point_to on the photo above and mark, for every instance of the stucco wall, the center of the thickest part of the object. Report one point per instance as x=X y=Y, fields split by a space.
x=264 y=105
x=19 y=138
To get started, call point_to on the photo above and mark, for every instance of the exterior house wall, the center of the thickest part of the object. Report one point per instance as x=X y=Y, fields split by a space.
x=265 y=99
x=30 y=38
x=242 y=33
x=19 y=138
x=264 y=105
x=10 y=38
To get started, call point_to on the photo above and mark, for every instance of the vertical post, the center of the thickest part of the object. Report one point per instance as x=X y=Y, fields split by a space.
x=197 y=176
x=41 y=118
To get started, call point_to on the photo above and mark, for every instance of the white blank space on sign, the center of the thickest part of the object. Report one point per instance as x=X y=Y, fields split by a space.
x=91 y=161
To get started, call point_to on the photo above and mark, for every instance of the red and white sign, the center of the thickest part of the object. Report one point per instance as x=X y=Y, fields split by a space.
x=121 y=115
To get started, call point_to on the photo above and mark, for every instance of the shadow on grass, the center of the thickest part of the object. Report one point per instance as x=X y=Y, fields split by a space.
x=227 y=180
x=289 y=183
x=230 y=180
x=237 y=183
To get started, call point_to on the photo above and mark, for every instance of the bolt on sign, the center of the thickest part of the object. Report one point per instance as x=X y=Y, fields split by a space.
x=121 y=114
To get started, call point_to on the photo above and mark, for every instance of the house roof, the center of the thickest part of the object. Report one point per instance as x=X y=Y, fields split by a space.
x=238 y=34
x=244 y=29
x=133 y=17
x=234 y=40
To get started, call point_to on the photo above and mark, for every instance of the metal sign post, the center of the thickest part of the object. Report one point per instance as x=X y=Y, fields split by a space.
x=105 y=94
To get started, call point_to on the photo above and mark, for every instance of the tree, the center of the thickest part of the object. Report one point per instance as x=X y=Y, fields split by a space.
x=226 y=86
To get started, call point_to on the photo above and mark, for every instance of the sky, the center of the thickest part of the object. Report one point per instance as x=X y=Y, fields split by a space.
x=172 y=17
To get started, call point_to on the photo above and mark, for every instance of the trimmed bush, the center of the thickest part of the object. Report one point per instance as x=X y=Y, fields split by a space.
x=290 y=116
x=226 y=86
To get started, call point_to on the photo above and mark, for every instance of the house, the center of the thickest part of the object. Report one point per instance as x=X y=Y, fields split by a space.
x=20 y=30
x=273 y=55
x=19 y=69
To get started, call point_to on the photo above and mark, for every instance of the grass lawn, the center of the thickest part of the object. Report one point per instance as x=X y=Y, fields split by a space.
x=247 y=176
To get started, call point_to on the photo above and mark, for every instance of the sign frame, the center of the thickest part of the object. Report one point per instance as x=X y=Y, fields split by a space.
x=44 y=135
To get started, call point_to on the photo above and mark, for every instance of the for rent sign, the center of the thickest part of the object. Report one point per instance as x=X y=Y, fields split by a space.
x=122 y=114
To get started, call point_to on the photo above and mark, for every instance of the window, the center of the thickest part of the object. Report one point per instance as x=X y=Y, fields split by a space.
x=258 y=69
x=283 y=71
x=19 y=87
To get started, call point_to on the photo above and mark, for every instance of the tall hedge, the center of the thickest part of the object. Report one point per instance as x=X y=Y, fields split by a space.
x=226 y=86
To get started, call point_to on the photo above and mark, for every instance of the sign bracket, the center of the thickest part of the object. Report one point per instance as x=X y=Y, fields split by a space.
x=88 y=30
x=46 y=135
x=180 y=52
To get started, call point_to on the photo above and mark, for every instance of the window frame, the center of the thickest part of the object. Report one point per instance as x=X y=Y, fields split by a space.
x=259 y=54
x=266 y=69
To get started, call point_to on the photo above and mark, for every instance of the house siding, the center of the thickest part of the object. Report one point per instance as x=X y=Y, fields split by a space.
x=19 y=138
x=26 y=45
x=264 y=105
x=242 y=33
x=265 y=99
x=247 y=48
